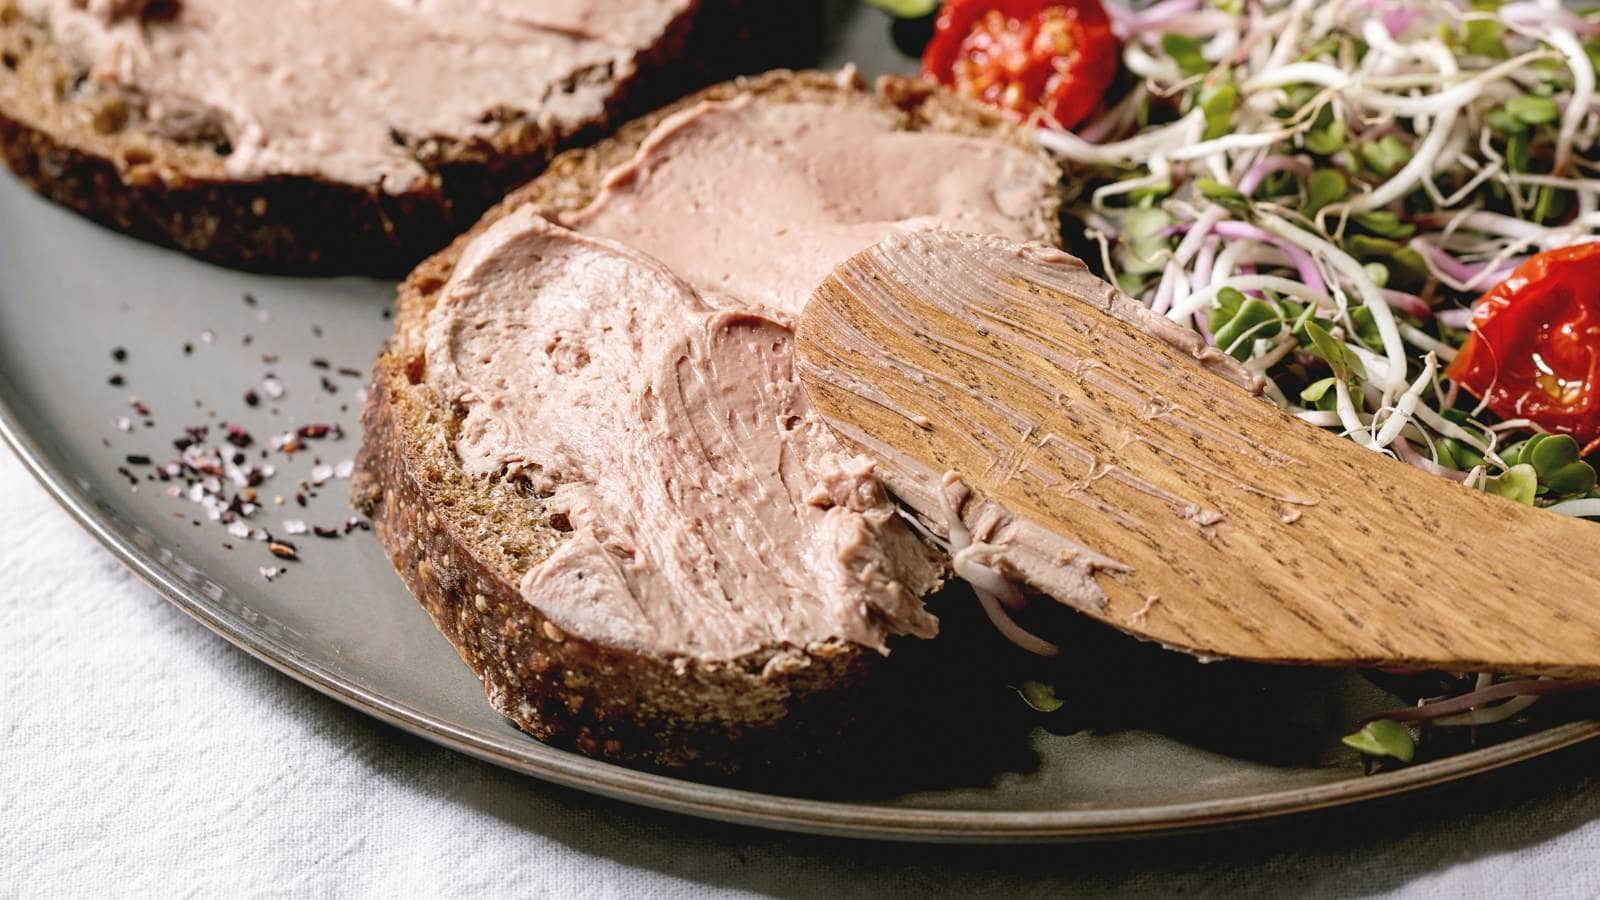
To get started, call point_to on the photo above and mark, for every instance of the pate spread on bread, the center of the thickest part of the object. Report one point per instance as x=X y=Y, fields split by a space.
x=326 y=136
x=344 y=90
x=708 y=568
x=646 y=383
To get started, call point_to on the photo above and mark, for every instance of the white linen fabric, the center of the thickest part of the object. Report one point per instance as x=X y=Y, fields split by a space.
x=142 y=755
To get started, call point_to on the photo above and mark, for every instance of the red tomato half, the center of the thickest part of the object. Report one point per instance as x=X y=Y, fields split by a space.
x=1031 y=57
x=1534 y=351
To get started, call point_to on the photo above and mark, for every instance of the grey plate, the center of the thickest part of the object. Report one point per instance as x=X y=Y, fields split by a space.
x=341 y=622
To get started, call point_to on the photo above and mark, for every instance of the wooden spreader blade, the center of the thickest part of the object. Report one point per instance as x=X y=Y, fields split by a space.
x=1241 y=531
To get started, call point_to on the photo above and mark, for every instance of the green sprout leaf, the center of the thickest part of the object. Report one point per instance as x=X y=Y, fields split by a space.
x=1145 y=246
x=1366 y=327
x=1386 y=155
x=1325 y=141
x=1517 y=156
x=1252 y=319
x=1325 y=186
x=1384 y=737
x=1456 y=455
x=1145 y=222
x=1223 y=195
x=1318 y=394
x=1519 y=483
x=1333 y=352
x=1327 y=46
x=1225 y=308
x=906 y=9
x=1555 y=458
x=1185 y=51
x=1504 y=122
x=1300 y=317
x=1444 y=454
x=1279 y=184
x=1383 y=223
x=1296 y=98
x=1149 y=195
x=1531 y=110
x=1483 y=37
x=1407 y=271
x=1326 y=136
x=1218 y=104
x=1365 y=247
x=1131 y=284
x=1042 y=697
x=1575 y=479
x=1513 y=453
x=1406 y=268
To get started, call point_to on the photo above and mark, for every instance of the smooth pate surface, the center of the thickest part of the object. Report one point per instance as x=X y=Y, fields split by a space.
x=711 y=512
x=338 y=88
x=650 y=391
x=762 y=200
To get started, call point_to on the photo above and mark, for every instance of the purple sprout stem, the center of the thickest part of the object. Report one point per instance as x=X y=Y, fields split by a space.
x=1159 y=15
x=1399 y=19
x=1204 y=261
x=1505 y=690
x=1204 y=329
x=1259 y=172
x=1410 y=304
x=1410 y=454
x=1243 y=231
x=1461 y=271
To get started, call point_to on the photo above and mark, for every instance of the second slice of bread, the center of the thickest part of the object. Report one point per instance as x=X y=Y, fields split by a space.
x=81 y=145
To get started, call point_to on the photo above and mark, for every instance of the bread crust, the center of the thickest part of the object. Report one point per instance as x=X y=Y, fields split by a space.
x=70 y=142
x=461 y=543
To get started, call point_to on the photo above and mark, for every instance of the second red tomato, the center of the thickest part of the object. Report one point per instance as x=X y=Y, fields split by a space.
x=1029 y=57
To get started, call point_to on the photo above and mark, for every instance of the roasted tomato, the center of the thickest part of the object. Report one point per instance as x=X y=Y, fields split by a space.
x=1534 y=351
x=1050 y=58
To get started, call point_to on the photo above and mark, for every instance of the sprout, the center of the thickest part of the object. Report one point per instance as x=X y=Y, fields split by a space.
x=1322 y=189
x=1042 y=697
x=1519 y=483
x=1367 y=170
x=1555 y=460
x=1383 y=737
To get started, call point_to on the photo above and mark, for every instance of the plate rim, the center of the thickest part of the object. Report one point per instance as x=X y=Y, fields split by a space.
x=745 y=807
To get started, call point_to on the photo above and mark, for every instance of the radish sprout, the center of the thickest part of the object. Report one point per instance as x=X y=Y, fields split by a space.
x=1366 y=168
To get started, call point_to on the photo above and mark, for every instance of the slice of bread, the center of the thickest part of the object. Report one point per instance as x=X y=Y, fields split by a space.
x=82 y=144
x=462 y=542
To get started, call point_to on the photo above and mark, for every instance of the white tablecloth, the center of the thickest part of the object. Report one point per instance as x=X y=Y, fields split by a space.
x=140 y=754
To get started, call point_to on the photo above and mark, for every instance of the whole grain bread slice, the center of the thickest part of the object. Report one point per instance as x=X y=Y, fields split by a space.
x=83 y=146
x=461 y=543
